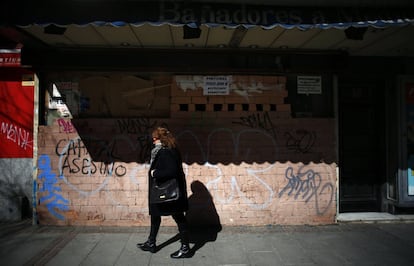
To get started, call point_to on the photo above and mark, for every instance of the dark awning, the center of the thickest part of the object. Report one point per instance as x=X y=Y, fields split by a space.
x=194 y=14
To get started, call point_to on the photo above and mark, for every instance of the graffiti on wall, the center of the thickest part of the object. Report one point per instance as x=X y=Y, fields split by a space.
x=300 y=141
x=74 y=159
x=252 y=183
x=50 y=189
x=20 y=136
x=141 y=128
x=219 y=176
x=308 y=184
x=259 y=120
x=65 y=126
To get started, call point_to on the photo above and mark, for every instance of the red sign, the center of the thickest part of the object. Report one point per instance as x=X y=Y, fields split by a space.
x=16 y=119
x=9 y=58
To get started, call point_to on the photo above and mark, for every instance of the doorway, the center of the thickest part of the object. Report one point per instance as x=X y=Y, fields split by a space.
x=361 y=143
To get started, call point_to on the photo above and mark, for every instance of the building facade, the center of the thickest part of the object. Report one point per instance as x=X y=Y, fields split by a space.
x=275 y=126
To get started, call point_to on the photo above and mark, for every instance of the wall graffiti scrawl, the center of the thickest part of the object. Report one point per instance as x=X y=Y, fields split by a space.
x=50 y=191
x=246 y=181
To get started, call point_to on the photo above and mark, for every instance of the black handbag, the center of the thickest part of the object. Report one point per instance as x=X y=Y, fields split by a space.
x=164 y=192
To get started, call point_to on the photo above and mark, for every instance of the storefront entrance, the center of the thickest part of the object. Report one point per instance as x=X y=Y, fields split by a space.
x=361 y=143
x=405 y=194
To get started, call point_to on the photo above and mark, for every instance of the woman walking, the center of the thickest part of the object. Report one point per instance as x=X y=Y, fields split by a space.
x=165 y=165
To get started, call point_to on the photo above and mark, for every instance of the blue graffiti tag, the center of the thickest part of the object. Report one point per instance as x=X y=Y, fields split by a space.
x=53 y=200
x=308 y=184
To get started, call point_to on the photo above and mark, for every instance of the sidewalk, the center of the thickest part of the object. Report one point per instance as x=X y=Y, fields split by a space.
x=373 y=243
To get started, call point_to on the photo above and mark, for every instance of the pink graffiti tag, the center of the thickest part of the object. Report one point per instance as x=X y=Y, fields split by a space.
x=65 y=126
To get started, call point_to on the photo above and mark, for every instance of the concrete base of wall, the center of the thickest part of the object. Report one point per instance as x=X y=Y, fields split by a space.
x=16 y=186
x=10 y=209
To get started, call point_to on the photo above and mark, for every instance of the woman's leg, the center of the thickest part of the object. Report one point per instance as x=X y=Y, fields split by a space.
x=181 y=221
x=155 y=227
x=184 y=251
x=150 y=245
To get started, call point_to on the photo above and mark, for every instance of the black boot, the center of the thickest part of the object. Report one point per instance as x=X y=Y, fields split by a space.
x=183 y=252
x=148 y=246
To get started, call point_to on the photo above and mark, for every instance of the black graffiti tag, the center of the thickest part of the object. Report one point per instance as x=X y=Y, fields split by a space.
x=259 y=120
x=300 y=141
x=141 y=127
x=75 y=159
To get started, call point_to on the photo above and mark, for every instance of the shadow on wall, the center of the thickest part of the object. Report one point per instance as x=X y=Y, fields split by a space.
x=106 y=141
x=202 y=216
x=119 y=112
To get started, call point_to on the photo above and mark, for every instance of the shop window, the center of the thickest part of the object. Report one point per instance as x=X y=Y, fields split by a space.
x=184 y=107
x=317 y=103
x=200 y=107
x=218 y=107
x=106 y=94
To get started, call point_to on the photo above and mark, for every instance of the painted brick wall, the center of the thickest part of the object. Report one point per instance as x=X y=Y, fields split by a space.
x=252 y=166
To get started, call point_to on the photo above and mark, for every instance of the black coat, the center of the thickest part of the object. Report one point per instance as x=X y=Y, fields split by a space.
x=168 y=164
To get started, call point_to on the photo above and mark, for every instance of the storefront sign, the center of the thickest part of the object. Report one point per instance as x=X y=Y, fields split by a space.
x=267 y=15
x=197 y=13
x=9 y=58
x=309 y=85
x=216 y=85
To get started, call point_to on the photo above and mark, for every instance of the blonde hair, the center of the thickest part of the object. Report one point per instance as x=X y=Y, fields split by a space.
x=165 y=136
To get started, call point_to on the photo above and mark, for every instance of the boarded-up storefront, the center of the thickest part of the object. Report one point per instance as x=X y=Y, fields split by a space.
x=247 y=160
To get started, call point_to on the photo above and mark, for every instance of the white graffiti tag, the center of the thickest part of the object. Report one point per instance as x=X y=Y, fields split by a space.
x=17 y=135
x=239 y=155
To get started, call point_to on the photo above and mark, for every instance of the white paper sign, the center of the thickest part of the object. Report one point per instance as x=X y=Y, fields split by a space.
x=309 y=85
x=216 y=85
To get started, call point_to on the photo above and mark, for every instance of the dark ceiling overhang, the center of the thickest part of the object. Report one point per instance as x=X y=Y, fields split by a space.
x=185 y=60
x=84 y=31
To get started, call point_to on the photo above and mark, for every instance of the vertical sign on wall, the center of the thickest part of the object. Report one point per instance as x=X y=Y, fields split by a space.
x=16 y=115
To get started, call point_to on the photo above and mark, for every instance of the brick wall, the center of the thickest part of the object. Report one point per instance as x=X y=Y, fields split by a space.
x=247 y=164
